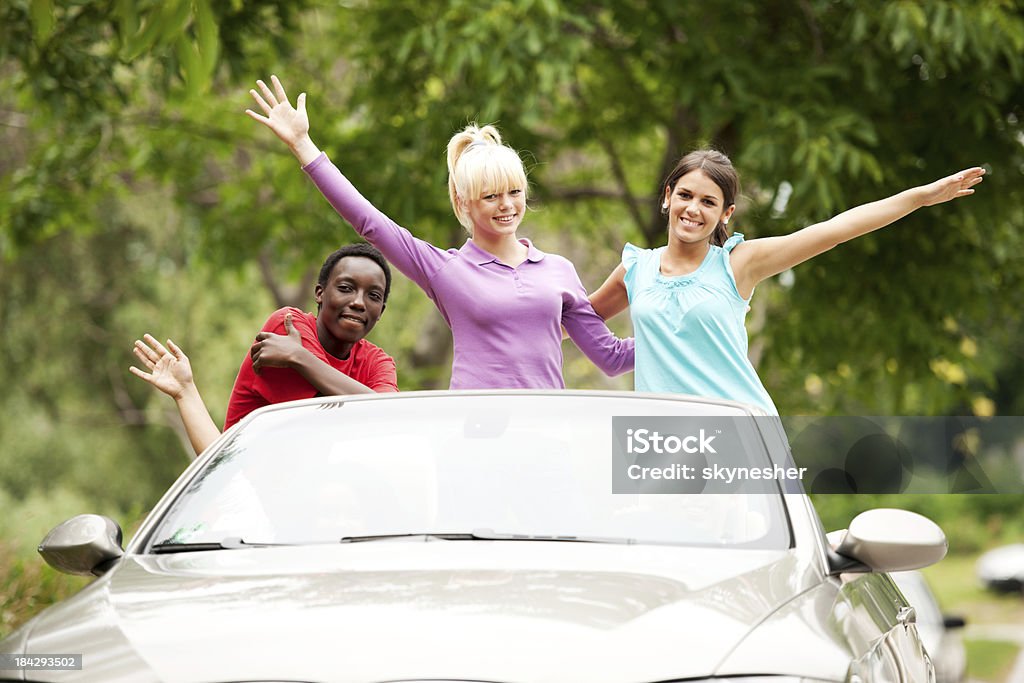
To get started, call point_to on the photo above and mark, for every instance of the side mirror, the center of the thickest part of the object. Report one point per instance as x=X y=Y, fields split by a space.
x=83 y=545
x=887 y=540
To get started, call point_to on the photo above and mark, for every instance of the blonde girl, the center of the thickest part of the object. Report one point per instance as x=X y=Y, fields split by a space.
x=504 y=299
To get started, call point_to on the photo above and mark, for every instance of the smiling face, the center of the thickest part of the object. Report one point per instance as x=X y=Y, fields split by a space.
x=350 y=303
x=696 y=206
x=486 y=183
x=496 y=214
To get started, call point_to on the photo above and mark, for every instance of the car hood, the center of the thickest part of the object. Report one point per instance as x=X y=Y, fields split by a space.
x=467 y=610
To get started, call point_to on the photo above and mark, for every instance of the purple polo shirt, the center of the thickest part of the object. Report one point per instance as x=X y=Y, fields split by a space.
x=506 y=322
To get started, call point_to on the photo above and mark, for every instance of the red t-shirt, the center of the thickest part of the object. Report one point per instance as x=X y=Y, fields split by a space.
x=367 y=364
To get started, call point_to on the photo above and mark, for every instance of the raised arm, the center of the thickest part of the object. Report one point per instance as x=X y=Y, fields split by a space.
x=287 y=122
x=415 y=258
x=759 y=259
x=171 y=373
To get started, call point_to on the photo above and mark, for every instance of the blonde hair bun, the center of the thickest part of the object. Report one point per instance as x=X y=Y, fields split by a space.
x=479 y=163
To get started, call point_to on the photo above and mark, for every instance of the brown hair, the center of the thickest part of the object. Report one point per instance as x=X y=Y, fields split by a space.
x=719 y=169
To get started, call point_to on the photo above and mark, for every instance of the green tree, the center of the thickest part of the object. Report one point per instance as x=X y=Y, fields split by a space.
x=822 y=108
x=98 y=239
x=135 y=196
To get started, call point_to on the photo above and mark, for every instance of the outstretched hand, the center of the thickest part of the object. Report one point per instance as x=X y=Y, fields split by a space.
x=951 y=187
x=289 y=123
x=277 y=350
x=169 y=371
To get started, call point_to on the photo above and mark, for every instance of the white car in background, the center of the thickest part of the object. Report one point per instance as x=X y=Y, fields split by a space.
x=478 y=536
x=1002 y=569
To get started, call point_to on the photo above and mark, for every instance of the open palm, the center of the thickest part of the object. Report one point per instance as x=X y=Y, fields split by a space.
x=288 y=123
x=169 y=371
x=954 y=186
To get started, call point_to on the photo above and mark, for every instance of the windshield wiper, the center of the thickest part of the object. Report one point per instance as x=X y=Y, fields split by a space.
x=489 y=535
x=231 y=543
x=424 y=536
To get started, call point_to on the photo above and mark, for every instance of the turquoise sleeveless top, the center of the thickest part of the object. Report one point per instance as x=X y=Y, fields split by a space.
x=690 y=336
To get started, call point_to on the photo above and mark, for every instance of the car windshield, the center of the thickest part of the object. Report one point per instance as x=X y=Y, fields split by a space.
x=466 y=466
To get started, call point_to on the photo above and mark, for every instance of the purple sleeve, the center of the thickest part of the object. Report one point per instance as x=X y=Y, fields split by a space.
x=416 y=259
x=613 y=356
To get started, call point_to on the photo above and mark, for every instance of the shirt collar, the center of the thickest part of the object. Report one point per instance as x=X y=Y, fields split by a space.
x=480 y=257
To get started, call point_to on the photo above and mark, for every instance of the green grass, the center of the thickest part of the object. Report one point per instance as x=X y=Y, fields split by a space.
x=990 y=660
x=954 y=583
x=27 y=585
x=958 y=590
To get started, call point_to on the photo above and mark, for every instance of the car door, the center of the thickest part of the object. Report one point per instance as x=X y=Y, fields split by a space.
x=895 y=653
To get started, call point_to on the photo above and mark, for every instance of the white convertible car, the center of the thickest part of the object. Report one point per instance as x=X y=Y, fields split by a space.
x=486 y=536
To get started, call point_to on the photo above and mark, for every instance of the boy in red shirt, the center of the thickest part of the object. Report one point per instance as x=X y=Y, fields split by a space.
x=296 y=355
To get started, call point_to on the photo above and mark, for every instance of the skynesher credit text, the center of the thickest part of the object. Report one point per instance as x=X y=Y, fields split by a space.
x=715 y=472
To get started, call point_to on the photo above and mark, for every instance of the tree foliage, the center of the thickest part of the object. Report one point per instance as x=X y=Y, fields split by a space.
x=128 y=175
x=135 y=196
x=823 y=108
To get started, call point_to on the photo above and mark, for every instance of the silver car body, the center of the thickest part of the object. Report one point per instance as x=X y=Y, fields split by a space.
x=424 y=608
x=944 y=644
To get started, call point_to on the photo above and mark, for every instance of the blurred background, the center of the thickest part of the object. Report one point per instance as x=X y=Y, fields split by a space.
x=136 y=197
